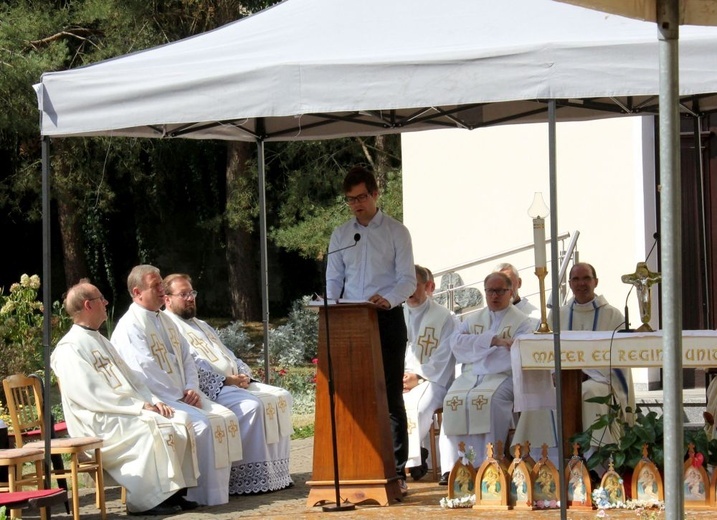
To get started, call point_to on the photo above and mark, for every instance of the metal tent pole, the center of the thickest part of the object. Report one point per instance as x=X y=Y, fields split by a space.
x=264 y=275
x=555 y=279
x=46 y=299
x=671 y=254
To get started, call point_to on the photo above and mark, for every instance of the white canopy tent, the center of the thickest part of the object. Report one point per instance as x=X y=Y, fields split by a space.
x=314 y=69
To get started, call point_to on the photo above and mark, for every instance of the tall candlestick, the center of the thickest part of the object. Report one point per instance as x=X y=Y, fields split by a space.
x=539 y=242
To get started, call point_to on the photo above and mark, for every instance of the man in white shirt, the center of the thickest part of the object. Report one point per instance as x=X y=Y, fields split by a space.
x=151 y=344
x=478 y=408
x=147 y=445
x=263 y=411
x=379 y=269
x=430 y=366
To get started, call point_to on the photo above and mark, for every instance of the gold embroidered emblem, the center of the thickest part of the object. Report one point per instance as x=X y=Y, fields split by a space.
x=479 y=401
x=455 y=402
x=200 y=345
x=104 y=365
x=170 y=441
x=411 y=426
x=428 y=343
x=477 y=328
x=505 y=333
x=282 y=404
x=219 y=435
x=159 y=352
x=233 y=429
x=270 y=412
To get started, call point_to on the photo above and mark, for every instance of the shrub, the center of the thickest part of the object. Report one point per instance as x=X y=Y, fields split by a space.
x=295 y=342
x=21 y=318
x=237 y=340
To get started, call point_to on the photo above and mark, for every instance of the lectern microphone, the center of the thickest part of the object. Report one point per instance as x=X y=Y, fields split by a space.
x=357 y=237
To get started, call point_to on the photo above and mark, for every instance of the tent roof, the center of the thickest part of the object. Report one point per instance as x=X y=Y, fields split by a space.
x=311 y=69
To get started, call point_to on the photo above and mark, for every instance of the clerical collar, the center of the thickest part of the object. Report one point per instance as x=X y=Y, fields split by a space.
x=419 y=308
x=86 y=328
x=591 y=305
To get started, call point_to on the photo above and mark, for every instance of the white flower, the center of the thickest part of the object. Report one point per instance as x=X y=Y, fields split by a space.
x=25 y=280
x=34 y=282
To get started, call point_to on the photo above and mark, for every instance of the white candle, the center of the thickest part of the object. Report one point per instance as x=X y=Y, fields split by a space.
x=539 y=242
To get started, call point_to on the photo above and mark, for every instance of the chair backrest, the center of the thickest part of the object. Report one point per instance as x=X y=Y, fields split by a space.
x=24 y=403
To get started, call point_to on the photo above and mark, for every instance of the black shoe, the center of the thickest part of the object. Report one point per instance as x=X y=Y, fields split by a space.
x=186 y=505
x=160 y=510
x=444 y=479
x=418 y=472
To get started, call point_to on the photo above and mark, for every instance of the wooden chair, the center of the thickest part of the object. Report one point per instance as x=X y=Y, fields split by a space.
x=14 y=460
x=433 y=433
x=24 y=402
x=40 y=498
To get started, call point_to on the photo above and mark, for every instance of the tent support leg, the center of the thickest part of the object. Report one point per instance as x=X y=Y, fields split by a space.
x=264 y=276
x=46 y=294
x=555 y=279
x=671 y=253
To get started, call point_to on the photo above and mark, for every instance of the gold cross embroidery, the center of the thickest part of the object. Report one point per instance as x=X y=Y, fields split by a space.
x=170 y=441
x=233 y=429
x=103 y=365
x=201 y=346
x=455 y=402
x=479 y=401
x=282 y=404
x=428 y=343
x=220 y=435
x=270 y=412
x=477 y=329
x=159 y=352
x=411 y=426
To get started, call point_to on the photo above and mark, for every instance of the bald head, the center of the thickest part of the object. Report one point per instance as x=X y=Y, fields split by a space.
x=86 y=305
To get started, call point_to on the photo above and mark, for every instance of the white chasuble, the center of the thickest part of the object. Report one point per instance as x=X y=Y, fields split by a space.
x=102 y=397
x=466 y=407
x=165 y=346
x=205 y=344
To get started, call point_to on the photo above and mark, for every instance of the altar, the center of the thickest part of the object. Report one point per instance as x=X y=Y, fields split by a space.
x=533 y=358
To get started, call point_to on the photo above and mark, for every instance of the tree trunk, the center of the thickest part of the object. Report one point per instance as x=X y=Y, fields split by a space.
x=72 y=243
x=242 y=257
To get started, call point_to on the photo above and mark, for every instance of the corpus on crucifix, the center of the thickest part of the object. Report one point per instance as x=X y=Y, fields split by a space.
x=642 y=279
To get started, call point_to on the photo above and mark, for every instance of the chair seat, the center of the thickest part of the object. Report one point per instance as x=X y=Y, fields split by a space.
x=39 y=497
x=60 y=429
x=16 y=455
x=69 y=444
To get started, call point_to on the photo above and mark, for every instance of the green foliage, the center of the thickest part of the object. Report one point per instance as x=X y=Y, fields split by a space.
x=21 y=319
x=646 y=429
x=295 y=342
x=237 y=340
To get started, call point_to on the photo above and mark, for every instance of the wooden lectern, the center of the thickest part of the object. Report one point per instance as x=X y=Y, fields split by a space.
x=367 y=470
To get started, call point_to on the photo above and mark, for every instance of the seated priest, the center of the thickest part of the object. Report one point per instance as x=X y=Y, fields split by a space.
x=154 y=348
x=264 y=411
x=147 y=444
x=478 y=408
x=430 y=367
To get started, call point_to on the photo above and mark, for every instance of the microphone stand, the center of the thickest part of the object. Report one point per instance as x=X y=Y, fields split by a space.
x=347 y=506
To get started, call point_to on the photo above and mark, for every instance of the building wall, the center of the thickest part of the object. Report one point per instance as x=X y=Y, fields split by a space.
x=466 y=196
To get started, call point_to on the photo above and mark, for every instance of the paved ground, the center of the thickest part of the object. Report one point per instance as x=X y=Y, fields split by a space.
x=290 y=504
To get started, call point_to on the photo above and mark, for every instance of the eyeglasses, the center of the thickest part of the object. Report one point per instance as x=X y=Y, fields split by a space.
x=100 y=297
x=499 y=292
x=357 y=198
x=585 y=279
x=185 y=295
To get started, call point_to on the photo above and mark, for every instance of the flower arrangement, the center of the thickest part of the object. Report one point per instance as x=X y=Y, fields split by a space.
x=466 y=501
x=646 y=509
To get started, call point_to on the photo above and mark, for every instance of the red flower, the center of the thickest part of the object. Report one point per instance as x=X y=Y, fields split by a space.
x=315 y=361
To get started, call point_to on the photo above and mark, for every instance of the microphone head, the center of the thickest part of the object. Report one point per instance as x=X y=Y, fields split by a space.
x=357 y=237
